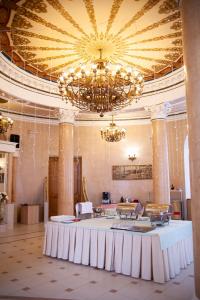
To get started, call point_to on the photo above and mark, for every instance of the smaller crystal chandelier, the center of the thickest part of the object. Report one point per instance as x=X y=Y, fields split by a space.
x=5 y=123
x=112 y=133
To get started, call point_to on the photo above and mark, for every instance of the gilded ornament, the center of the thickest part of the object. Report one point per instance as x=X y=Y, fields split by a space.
x=166 y=20
x=41 y=67
x=158 y=68
x=168 y=6
x=114 y=10
x=58 y=7
x=24 y=12
x=19 y=40
x=20 y=22
x=158 y=38
x=90 y=10
x=176 y=25
x=61 y=66
x=129 y=63
x=35 y=5
x=79 y=43
x=27 y=55
x=88 y=48
x=173 y=56
x=173 y=49
x=160 y=61
x=34 y=48
x=177 y=42
x=37 y=60
x=40 y=36
x=148 y=5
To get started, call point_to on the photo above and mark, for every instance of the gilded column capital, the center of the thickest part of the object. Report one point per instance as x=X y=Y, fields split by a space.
x=159 y=111
x=67 y=115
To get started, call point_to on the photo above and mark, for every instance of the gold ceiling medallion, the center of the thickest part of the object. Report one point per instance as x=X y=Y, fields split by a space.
x=112 y=133
x=101 y=86
x=113 y=47
x=5 y=123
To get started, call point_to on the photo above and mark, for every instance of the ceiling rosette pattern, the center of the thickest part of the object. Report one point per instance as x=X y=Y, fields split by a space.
x=48 y=36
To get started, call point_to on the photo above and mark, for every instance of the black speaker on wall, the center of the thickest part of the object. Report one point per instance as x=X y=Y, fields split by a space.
x=15 y=138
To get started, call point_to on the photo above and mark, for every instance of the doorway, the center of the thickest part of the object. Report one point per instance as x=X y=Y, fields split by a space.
x=77 y=180
x=53 y=183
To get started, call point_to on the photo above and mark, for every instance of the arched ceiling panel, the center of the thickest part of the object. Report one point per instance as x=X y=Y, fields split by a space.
x=48 y=36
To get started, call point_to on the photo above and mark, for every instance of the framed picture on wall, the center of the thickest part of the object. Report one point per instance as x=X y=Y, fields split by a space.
x=132 y=172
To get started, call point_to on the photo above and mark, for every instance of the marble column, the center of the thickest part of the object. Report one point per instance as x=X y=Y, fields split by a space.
x=161 y=184
x=10 y=177
x=65 y=164
x=191 y=42
x=15 y=174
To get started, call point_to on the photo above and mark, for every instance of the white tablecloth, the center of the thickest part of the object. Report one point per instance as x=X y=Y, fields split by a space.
x=158 y=255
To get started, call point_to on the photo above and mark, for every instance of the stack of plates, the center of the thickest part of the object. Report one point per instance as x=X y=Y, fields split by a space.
x=63 y=219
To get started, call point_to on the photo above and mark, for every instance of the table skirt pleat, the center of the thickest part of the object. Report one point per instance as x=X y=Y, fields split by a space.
x=136 y=255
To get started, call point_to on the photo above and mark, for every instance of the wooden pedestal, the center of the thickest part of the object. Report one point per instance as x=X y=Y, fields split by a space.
x=30 y=214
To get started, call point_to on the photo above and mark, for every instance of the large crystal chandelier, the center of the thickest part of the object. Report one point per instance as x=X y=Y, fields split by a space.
x=101 y=86
x=112 y=133
x=5 y=123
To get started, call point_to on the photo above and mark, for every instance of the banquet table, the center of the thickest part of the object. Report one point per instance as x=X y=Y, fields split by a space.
x=157 y=255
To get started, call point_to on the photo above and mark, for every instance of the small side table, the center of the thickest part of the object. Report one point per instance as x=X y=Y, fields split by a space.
x=30 y=214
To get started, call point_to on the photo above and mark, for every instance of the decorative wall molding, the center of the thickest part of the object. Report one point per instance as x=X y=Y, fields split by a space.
x=27 y=87
x=6 y=146
x=159 y=111
x=170 y=81
x=67 y=115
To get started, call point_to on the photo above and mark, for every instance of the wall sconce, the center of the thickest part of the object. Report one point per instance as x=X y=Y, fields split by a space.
x=132 y=157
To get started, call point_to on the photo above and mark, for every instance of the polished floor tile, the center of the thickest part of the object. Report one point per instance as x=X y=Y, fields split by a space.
x=26 y=274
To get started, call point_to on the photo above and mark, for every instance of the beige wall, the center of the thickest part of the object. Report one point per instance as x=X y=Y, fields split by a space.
x=99 y=156
x=177 y=132
x=37 y=143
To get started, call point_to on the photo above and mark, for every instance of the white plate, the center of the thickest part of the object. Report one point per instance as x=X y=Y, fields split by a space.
x=67 y=221
x=62 y=218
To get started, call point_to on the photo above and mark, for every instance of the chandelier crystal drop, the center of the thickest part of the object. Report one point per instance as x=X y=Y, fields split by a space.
x=101 y=86
x=112 y=133
x=5 y=123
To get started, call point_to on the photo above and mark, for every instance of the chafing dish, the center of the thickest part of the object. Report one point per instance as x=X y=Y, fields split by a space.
x=159 y=214
x=98 y=211
x=129 y=210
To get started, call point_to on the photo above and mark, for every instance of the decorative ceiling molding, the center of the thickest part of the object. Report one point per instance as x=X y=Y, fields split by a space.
x=159 y=111
x=27 y=87
x=145 y=34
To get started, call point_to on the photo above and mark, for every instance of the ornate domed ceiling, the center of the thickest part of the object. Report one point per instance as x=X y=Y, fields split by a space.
x=48 y=36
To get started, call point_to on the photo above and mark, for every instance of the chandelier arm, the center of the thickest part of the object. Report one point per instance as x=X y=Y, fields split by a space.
x=100 y=90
